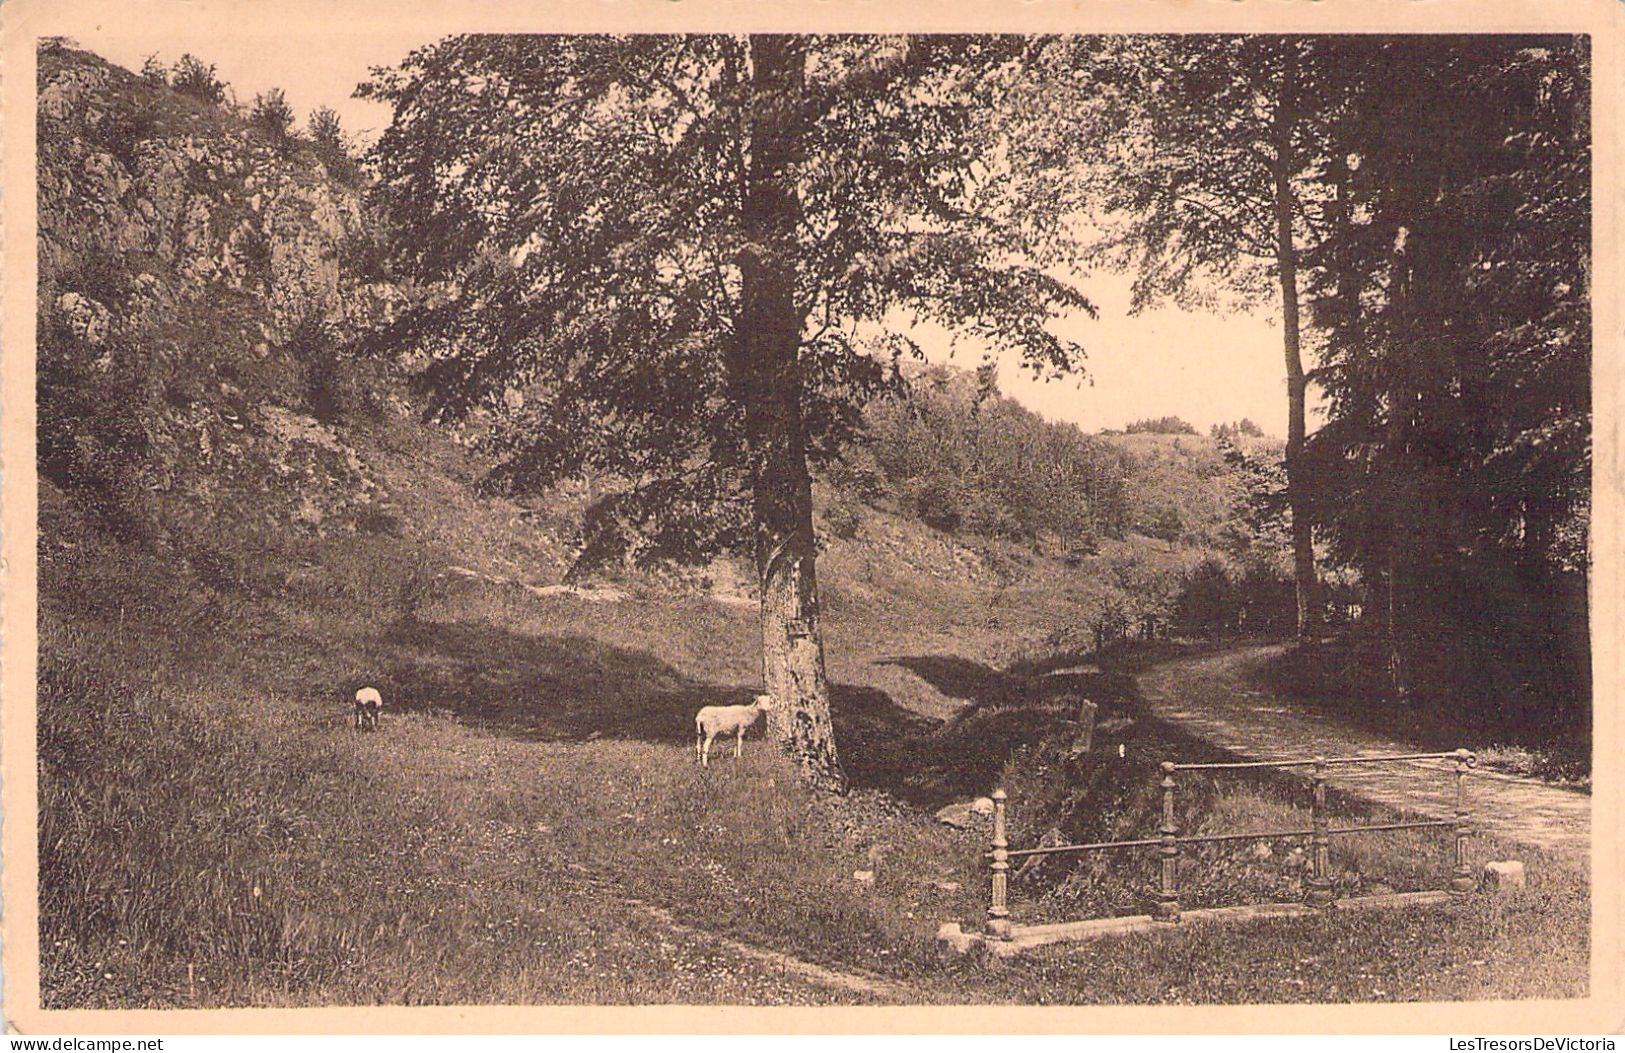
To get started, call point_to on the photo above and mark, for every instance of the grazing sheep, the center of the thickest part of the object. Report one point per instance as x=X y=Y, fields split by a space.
x=720 y=720
x=367 y=704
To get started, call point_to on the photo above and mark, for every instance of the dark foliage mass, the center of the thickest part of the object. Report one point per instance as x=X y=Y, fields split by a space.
x=93 y=439
x=1454 y=291
x=1427 y=200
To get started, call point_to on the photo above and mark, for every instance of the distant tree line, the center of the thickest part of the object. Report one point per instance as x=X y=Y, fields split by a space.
x=1241 y=429
x=959 y=456
x=1160 y=426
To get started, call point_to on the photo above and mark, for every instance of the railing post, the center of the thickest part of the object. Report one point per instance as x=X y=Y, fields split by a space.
x=1461 y=875
x=1318 y=889
x=998 y=912
x=1167 y=906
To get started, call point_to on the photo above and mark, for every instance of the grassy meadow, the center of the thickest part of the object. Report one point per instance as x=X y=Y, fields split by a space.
x=530 y=826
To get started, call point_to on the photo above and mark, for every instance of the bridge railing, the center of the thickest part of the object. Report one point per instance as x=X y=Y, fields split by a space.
x=1318 y=887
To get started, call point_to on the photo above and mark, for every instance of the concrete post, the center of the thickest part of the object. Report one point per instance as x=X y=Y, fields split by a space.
x=1084 y=741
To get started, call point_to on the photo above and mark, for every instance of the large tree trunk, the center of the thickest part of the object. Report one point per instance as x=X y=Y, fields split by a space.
x=1286 y=257
x=770 y=374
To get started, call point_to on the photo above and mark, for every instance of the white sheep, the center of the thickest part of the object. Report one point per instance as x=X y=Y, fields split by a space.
x=720 y=720
x=367 y=704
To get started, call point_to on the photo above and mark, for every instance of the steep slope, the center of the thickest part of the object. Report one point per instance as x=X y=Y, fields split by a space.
x=199 y=280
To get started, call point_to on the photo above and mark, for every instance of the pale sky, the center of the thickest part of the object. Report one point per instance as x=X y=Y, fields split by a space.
x=1203 y=367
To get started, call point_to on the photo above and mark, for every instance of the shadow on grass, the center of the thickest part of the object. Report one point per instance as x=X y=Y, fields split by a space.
x=564 y=687
x=930 y=764
x=573 y=688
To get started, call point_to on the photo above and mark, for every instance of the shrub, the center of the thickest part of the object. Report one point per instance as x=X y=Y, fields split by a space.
x=328 y=142
x=334 y=386
x=420 y=584
x=1110 y=625
x=92 y=438
x=1209 y=601
x=123 y=131
x=1166 y=524
x=986 y=513
x=272 y=116
x=857 y=474
x=254 y=247
x=378 y=522
x=324 y=128
x=934 y=500
x=101 y=276
x=364 y=253
x=191 y=77
x=843 y=520
x=1269 y=599
x=154 y=72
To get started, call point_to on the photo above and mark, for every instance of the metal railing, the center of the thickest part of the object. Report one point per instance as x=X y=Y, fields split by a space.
x=1318 y=887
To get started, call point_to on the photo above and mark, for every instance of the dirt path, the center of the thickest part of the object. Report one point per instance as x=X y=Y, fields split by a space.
x=1217 y=697
x=786 y=968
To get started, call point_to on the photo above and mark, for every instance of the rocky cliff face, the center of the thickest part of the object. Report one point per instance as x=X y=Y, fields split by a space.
x=199 y=280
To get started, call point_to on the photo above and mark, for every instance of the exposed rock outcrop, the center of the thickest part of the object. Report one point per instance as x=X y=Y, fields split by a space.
x=195 y=307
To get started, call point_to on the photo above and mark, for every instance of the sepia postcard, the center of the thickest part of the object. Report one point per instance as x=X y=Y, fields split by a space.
x=714 y=517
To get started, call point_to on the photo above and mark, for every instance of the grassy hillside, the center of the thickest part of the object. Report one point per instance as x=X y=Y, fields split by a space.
x=241 y=523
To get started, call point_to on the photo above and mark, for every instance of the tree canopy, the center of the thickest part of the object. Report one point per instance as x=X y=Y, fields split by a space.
x=667 y=261
x=582 y=197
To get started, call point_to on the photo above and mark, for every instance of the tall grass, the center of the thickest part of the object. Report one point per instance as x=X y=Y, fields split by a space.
x=204 y=846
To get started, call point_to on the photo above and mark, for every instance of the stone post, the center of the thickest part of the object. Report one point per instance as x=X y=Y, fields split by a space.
x=1317 y=890
x=998 y=912
x=1167 y=905
x=1085 y=739
x=1461 y=876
